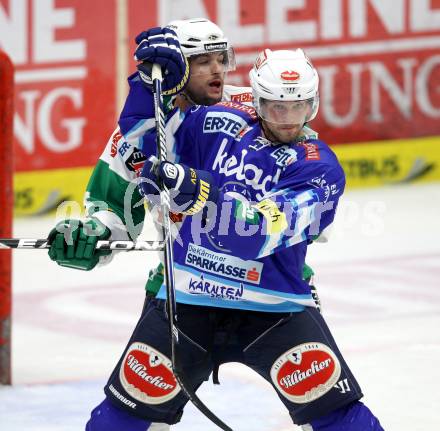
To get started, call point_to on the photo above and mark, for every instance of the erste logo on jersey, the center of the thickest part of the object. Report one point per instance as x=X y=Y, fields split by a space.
x=146 y=375
x=225 y=122
x=223 y=264
x=306 y=372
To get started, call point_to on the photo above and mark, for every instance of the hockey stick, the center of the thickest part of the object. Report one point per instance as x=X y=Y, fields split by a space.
x=122 y=245
x=168 y=255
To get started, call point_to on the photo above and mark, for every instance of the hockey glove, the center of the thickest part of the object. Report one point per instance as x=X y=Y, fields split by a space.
x=161 y=46
x=72 y=243
x=190 y=188
x=149 y=181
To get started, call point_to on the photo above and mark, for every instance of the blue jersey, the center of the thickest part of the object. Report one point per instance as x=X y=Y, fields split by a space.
x=274 y=200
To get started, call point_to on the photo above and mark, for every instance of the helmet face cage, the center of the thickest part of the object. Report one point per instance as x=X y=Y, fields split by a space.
x=201 y=37
x=285 y=76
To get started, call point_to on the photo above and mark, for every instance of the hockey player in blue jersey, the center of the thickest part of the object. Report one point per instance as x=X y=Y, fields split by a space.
x=256 y=191
x=210 y=57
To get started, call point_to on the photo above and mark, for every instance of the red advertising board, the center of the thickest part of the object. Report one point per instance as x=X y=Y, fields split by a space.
x=379 y=64
x=379 y=61
x=64 y=56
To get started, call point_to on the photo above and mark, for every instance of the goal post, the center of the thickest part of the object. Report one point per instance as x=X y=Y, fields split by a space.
x=6 y=207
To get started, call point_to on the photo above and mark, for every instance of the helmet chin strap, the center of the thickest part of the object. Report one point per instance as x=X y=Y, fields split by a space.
x=184 y=101
x=188 y=98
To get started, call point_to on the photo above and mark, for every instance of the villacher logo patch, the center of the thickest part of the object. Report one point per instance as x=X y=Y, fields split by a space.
x=306 y=372
x=147 y=376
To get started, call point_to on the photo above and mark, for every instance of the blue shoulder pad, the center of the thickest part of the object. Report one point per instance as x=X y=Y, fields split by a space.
x=138 y=105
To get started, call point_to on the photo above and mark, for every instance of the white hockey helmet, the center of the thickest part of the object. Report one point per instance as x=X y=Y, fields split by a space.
x=285 y=76
x=200 y=36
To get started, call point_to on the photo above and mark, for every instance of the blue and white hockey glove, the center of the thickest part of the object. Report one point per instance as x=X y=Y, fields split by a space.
x=161 y=46
x=190 y=189
x=149 y=181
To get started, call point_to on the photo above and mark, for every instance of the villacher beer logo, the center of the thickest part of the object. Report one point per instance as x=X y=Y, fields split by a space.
x=306 y=372
x=147 y=376
x=289 y=75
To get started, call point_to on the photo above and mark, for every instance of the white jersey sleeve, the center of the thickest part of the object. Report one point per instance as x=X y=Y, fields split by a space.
x=236 y=94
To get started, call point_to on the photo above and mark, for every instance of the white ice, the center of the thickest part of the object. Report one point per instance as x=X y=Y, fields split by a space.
x=379 y=282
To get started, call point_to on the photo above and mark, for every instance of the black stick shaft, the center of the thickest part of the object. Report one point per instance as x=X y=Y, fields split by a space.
x=33 y=244
x=168 y=261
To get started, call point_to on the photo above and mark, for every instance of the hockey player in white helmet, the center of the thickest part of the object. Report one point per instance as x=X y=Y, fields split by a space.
x=284 y=99
x=210 y=56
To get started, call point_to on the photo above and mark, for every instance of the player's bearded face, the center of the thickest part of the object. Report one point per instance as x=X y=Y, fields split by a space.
x=283 y=133
x=283 y=121
x=205 y=86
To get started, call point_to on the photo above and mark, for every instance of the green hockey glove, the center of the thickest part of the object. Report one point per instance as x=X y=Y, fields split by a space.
x=155 y=280
x=72 y=243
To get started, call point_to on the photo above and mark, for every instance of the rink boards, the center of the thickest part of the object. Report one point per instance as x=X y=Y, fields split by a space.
x=366 y=164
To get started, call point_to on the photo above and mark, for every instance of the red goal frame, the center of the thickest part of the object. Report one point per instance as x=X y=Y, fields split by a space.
x=6 y=207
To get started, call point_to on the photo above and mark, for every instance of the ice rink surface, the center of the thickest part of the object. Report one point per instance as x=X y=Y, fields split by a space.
x=379 y=282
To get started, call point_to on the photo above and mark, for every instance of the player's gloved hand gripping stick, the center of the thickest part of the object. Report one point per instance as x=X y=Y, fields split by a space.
x=161 y=46
x=190 y=189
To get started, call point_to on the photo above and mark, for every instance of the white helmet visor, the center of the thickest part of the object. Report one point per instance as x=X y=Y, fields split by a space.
x=286 y=112
x=212 y=62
